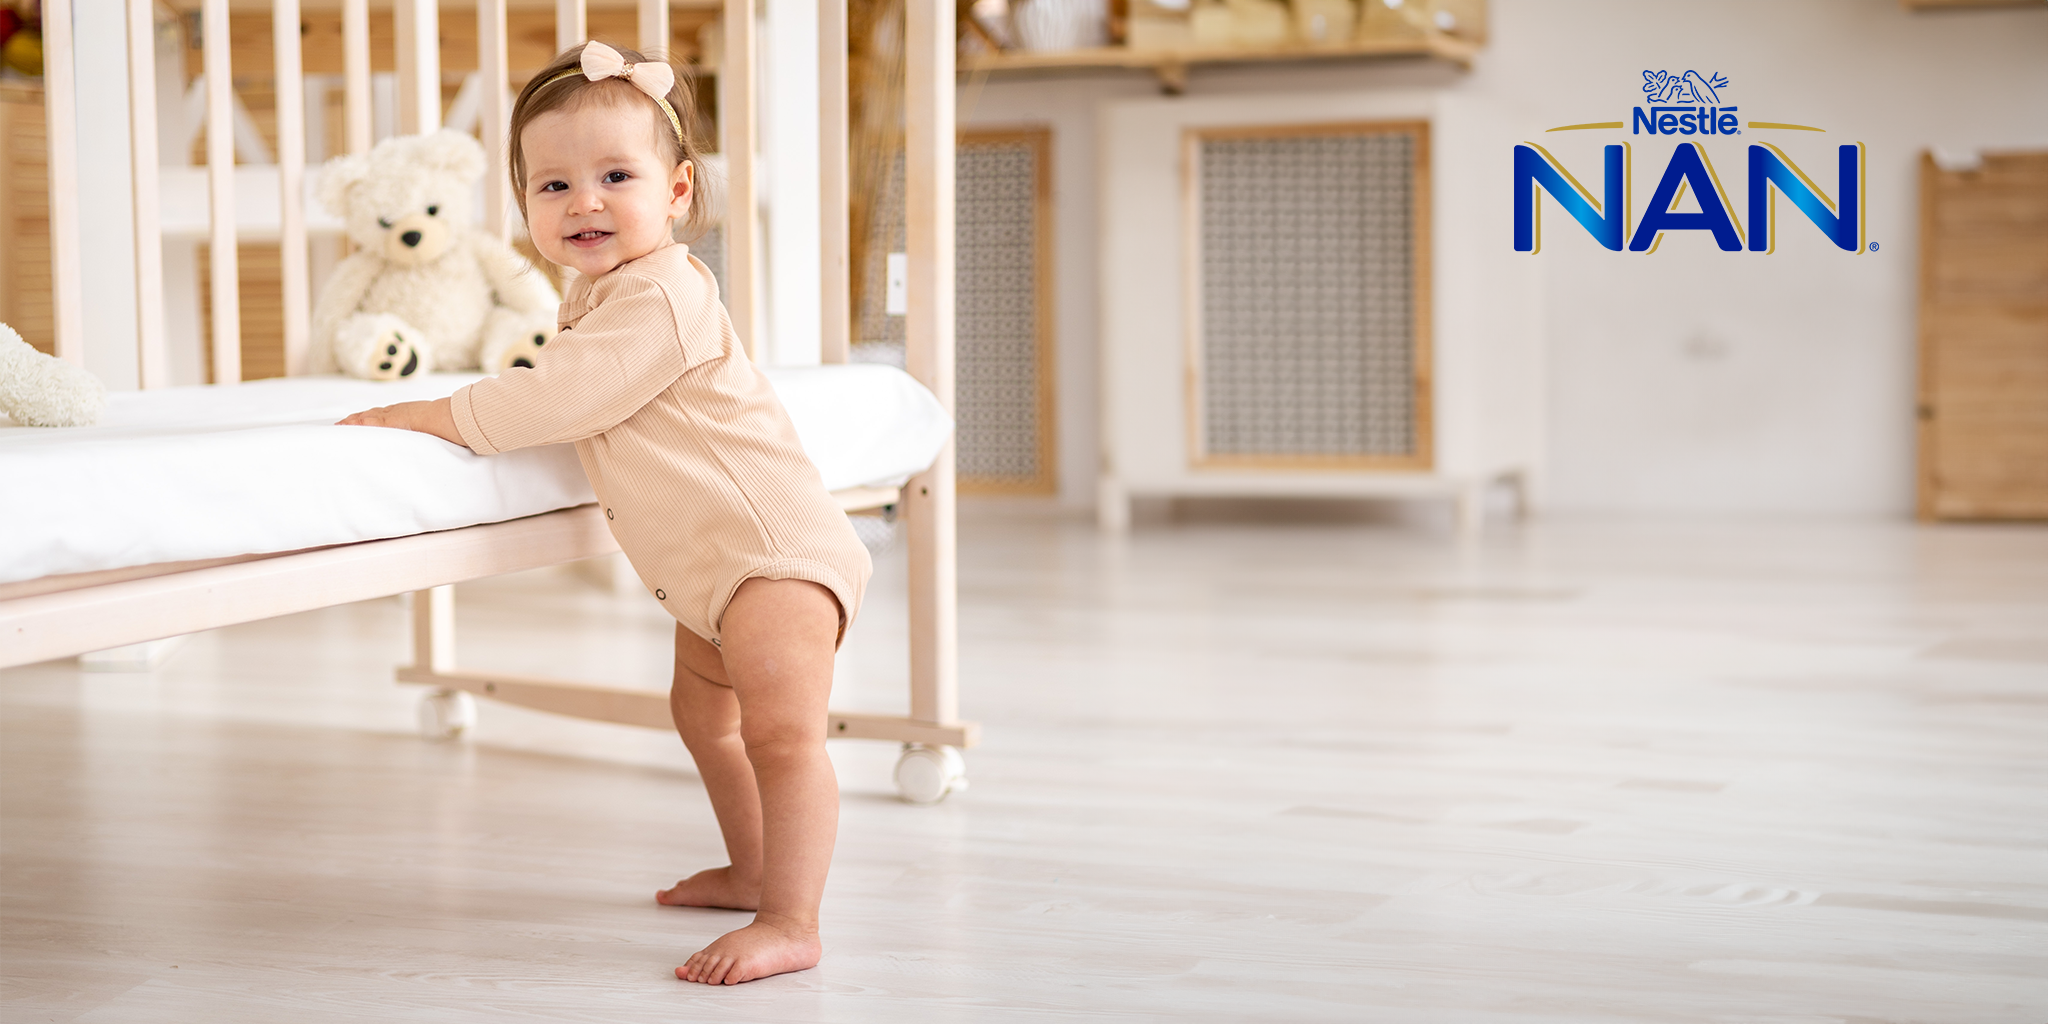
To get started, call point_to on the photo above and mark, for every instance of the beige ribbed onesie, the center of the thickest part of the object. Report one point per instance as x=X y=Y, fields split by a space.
x=692 y=456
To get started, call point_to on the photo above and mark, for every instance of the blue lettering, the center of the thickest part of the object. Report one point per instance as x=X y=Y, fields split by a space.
x=1769 y=166
x=1642 y=121
x=1534 y=169
x=1729 y=125
x=1686 y=125
x=1688 y=167
x=1665 y=123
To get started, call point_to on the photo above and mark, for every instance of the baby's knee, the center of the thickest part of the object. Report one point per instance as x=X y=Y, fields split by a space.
x=770 y=743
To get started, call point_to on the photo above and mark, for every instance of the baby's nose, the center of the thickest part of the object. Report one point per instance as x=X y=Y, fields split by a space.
x=410 y=238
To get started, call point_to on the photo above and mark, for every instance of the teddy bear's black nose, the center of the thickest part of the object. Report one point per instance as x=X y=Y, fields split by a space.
x=410 y=238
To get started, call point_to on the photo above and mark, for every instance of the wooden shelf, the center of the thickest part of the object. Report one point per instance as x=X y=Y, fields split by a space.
x=1171 y=65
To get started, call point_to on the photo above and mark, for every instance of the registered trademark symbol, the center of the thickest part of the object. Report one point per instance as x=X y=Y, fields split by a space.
x=1873 y=247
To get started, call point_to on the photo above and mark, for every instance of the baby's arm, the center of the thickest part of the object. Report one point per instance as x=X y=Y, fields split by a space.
x=436 y=417
x=620 y=355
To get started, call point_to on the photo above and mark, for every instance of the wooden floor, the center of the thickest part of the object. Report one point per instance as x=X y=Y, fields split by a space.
x=1585 y=772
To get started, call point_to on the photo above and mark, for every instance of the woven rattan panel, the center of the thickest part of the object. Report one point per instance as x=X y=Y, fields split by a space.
x=1306 y=286
x=996 y=262
x=998 y=367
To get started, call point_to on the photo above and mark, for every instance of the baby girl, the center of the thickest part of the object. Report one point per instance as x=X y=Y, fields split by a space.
x=701 y=478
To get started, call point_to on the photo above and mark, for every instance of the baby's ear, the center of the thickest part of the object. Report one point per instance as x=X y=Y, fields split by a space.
x=453 y=152
x=336 y=177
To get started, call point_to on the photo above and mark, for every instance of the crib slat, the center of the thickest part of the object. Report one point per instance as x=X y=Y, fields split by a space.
x=571 y=24
x=654 y=28
x=403 y=57
x=928 y=203
x=835 y=229
x=60 y=113
x=419 y=65
x=220 y=177
x=355 y=68
x=492 y=115
x=738 y=130
x=291 y=185
x=154 y=359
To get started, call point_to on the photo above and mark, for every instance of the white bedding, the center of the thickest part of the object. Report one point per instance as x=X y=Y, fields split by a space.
x=207 y=472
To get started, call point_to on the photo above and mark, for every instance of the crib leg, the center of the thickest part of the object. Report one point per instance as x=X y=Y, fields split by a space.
x=928 y=100
x=445 y=713
x=433 y=629
x=934 y=653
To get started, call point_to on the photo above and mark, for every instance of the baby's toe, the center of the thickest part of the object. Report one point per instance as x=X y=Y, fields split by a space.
x=722 y=972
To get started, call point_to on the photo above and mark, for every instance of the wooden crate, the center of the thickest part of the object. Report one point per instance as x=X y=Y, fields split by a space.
x=1983 y=396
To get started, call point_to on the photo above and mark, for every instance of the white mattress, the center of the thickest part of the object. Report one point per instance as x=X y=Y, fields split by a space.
x=208 y=472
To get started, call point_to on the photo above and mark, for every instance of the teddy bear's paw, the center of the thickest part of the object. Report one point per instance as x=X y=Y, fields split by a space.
x=524 y=352
x=396 y=357
x=42 y=391
x=514 y=339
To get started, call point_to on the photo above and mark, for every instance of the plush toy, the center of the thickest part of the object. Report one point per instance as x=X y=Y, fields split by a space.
x=43 y=391
x=428 y=289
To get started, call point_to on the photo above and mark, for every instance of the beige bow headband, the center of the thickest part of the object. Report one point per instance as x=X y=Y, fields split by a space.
x=654 y=77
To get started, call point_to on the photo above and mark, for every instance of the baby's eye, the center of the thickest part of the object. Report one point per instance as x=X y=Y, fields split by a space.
x=555 y=186
x=382 y=223
x=615 y=177
x=433 y=211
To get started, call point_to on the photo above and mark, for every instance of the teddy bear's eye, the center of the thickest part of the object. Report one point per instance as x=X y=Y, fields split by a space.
x=433 y=211
x=382 y=223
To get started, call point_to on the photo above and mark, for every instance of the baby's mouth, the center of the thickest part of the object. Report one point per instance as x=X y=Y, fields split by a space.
x=588 y=238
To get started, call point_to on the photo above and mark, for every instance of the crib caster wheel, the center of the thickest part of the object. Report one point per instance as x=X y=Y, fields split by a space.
x=924 y=775
x=446 y=714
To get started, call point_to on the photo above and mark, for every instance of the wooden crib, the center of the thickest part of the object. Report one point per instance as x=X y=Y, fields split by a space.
x=61 y=616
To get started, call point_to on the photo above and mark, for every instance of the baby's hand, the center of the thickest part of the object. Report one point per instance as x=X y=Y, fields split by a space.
x=436 y=417
x=382 y=416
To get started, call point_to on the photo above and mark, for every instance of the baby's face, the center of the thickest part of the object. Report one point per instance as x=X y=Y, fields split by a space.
x=597 y=192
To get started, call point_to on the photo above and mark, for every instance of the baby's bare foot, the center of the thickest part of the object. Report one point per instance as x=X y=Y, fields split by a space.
x=713 y=887
x=759 y=950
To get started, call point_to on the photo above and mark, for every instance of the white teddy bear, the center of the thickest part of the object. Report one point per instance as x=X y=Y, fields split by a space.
x=42 y=391
x=428 y=289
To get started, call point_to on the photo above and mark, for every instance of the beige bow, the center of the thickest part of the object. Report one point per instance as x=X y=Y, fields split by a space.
x=655 y=78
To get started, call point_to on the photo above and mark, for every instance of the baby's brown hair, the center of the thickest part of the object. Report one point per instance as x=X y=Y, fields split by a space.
x=554 y=88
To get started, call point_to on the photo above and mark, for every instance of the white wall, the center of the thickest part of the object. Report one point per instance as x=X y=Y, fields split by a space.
x=1688 y=380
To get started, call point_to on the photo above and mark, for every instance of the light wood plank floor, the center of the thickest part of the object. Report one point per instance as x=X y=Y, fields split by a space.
x=1584 y=772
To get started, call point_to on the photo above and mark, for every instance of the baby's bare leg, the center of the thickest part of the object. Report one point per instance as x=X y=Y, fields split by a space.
x=779 y=637
x=708 y=716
